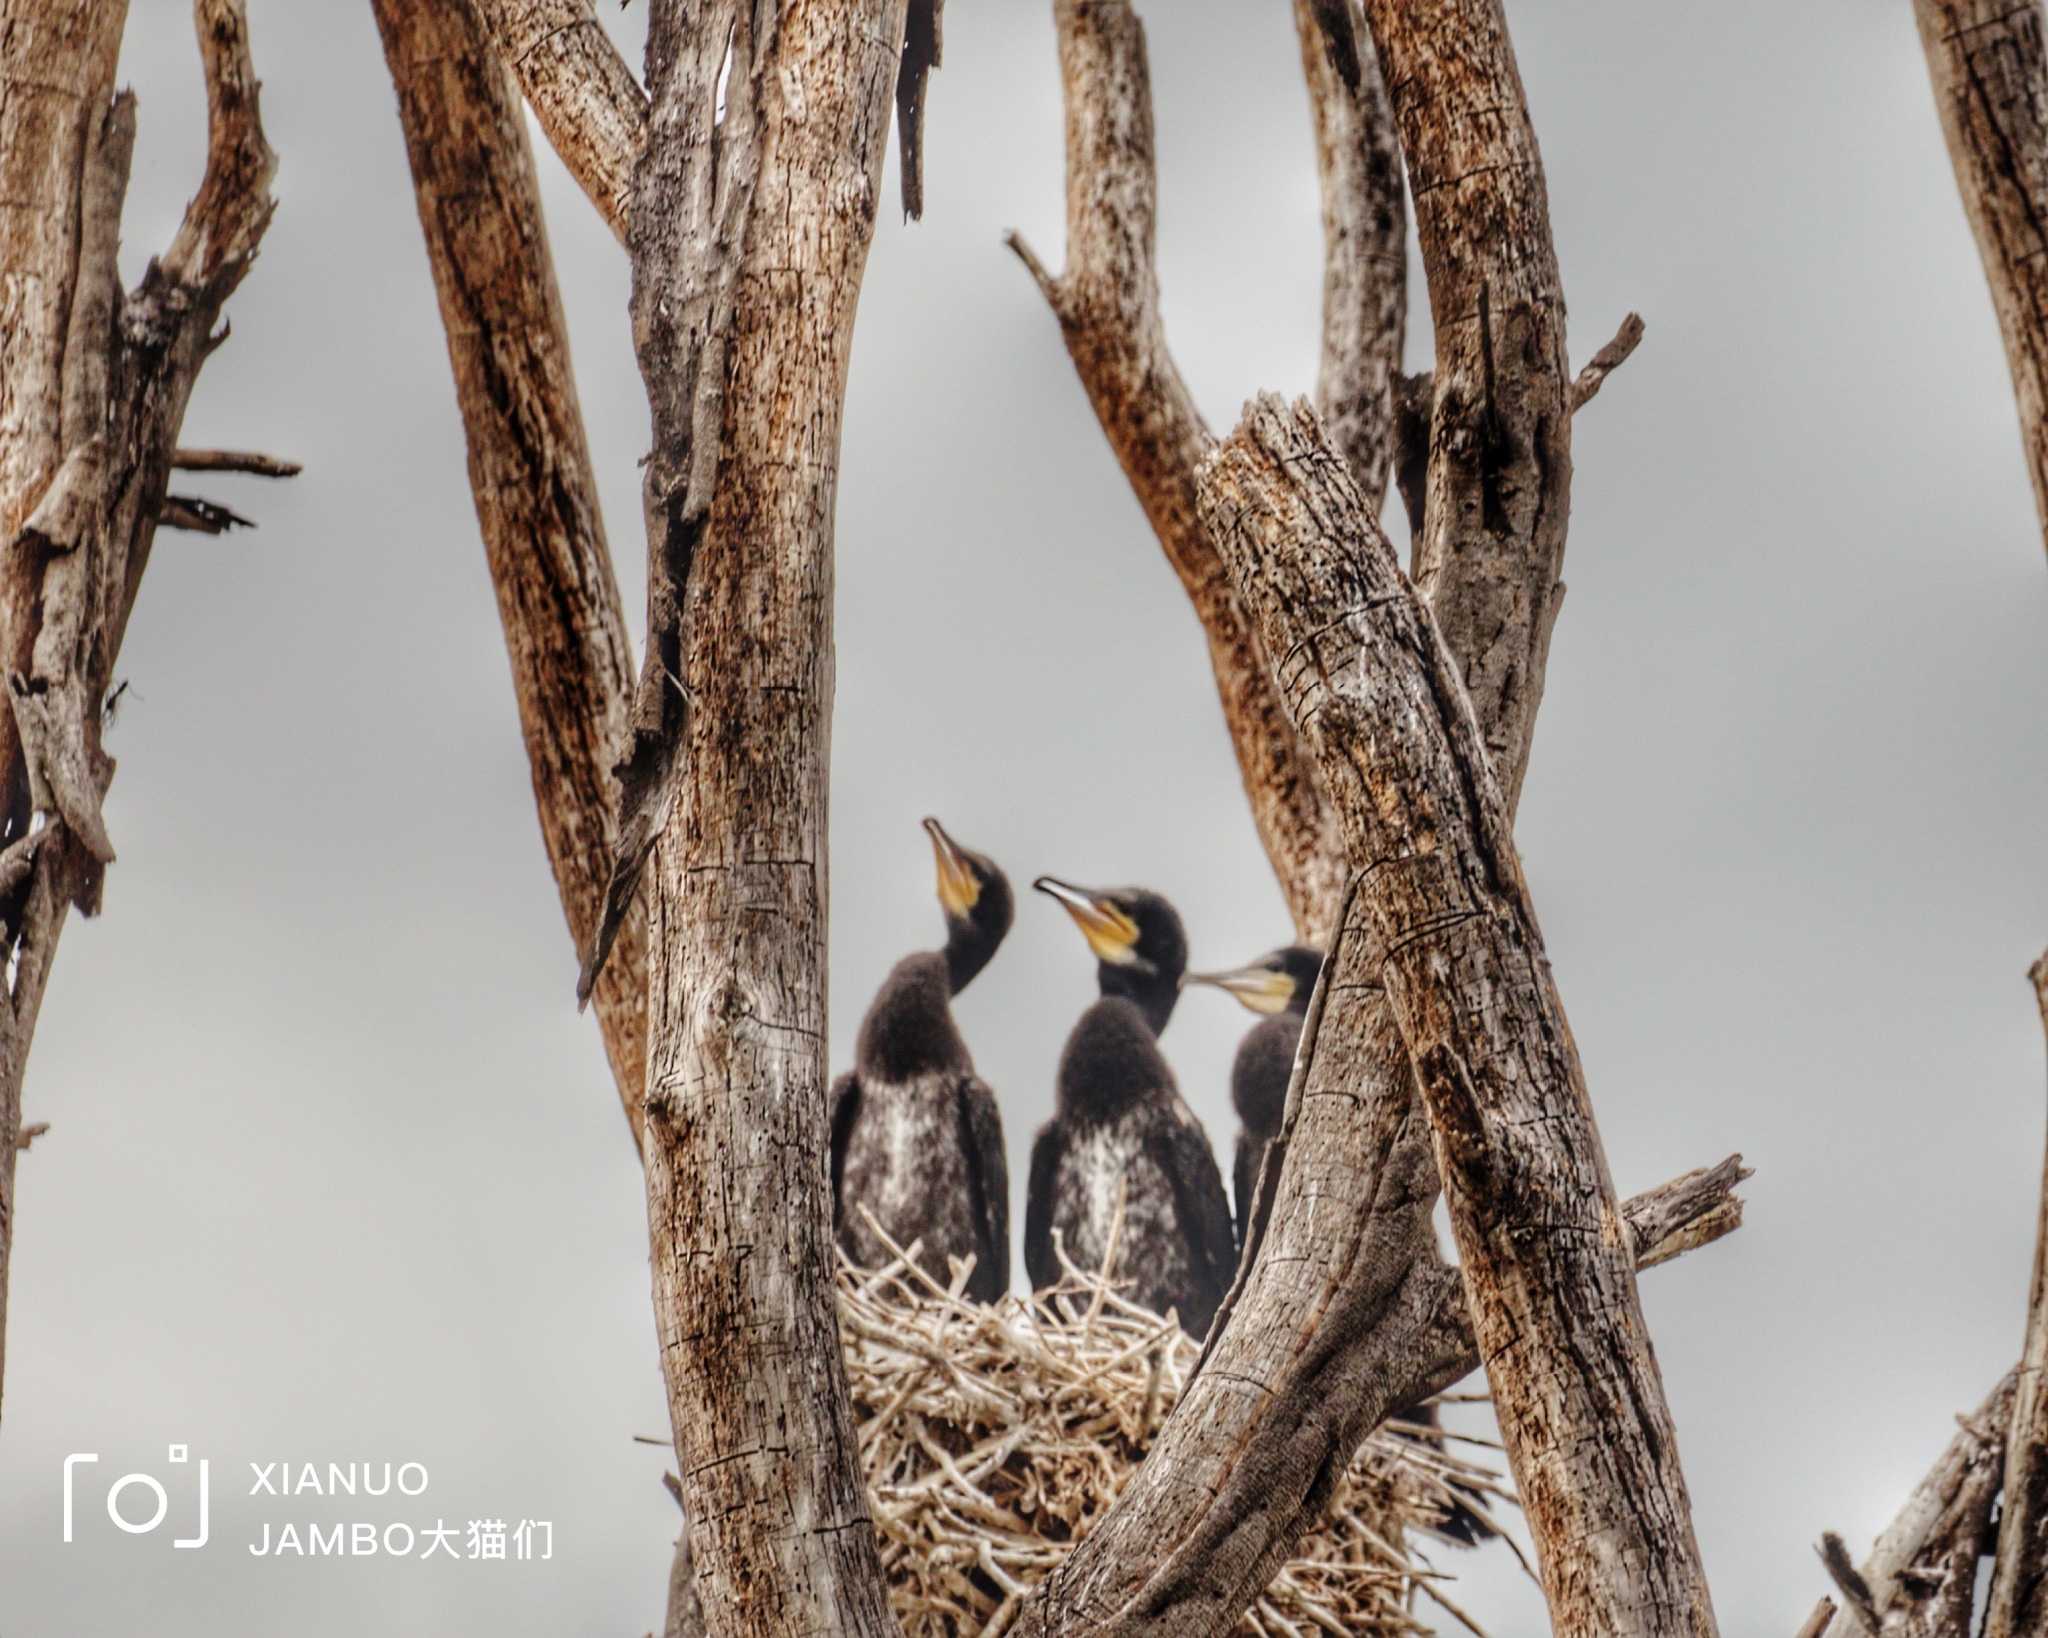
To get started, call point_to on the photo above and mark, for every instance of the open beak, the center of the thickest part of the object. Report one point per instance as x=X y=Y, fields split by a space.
x=1263 y=989
x=1110 y=933
x=959 y=887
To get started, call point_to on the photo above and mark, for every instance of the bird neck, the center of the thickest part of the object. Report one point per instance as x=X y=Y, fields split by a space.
x=909 y=1029
x=969 y=947
x=1152 y=993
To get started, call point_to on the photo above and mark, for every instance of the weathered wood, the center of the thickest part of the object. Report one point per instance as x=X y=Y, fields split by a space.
x=529 y=469
x=83 y=512
x=1107 y=304
x=749 y=236
x=1990 y=70
x=1499 y=479
x=1921 y=1574
x=1365 y=236
x=233 y=460
x=1450 y=936
x=2018 y=1604
x=590 y=107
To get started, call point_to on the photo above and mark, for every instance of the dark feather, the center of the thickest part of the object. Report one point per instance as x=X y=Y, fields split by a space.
x=845 y=1101
x=1182 y=1153
x=1046 y=1154
x=988 y=1181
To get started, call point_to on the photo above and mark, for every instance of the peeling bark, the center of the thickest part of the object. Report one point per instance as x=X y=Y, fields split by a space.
x=86 y=445
x=529 y=468
x=749 y=235
x=1107 y=303
x=2018 y=1603
x=1990 y=70
x=1450 y=937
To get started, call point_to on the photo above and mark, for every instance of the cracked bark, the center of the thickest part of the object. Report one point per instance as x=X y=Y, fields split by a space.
x=749 y=233
x=1107 y=304
x=1444 y=927
x=1990 y=72
x=530 y=471
x=96 y=382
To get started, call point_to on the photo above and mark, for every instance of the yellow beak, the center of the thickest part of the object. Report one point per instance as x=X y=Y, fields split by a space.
x=1110 y=932
x=1263 y=989
x=959 y=887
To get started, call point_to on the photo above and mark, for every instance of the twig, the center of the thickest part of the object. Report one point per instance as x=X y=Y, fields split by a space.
x=234 y=460
x=1817 y=1622
x=1843 y=1572
x=1606 y=361
x=29 y=1134
x=203 y=517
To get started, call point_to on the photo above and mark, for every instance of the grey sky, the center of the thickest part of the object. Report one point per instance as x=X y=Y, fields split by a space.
x=336 y=1172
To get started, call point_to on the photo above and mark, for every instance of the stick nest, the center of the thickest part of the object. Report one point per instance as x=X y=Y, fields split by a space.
x=995 y=1437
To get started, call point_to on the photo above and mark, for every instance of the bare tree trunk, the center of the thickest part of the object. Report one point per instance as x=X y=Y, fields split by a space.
x=2018 y=1605
x=530 y=471
x=1365 y=237
x=1499 y=487
x=96 y=384
x=1107 y=302
x=1547 y=1263
x=1990 y=71
x=1920 y=1578
x=748 y=252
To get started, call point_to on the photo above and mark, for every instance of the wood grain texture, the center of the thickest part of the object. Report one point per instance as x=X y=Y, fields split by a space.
x=1921 y=1573
x=1452 y=941
x=2018 y=1602
x=529 y=470
x=754 y=244
x=1498 y=491
x=1365 y=236
x=1989 y=65
x=79 y=546
x=582 y=92
x=1107 y=303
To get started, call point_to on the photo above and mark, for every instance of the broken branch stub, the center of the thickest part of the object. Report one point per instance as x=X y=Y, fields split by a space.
x=1451 y=937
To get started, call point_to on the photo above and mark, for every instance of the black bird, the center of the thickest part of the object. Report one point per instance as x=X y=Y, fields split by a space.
x=1119 y=1125
x=1277 y=985
x=916 y=1136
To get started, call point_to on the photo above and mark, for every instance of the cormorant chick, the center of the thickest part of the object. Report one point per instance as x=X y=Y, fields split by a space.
x=916 y=1136
x=1277 y=985
x=1119 y=1125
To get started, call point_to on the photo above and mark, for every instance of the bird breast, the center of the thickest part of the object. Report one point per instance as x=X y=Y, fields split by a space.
x=905 y=1163
x=1152 y=1246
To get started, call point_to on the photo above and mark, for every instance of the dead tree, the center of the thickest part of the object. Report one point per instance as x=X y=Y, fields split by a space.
x=95 y=381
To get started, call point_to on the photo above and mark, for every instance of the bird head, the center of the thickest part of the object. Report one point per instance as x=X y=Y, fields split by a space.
x=1141 y=949
x=976 y=897
x=1279 y=981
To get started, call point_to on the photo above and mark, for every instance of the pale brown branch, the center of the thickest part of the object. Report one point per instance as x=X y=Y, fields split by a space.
x=1107 y=303
x=1834 y=1558
x=1489 y=555
x=582 y=92
x=1989 y=65
x=201 y=516
x=30 y=1133
x=1365 y=236
x=1816 y=1623
x=2018 y=1602
x=1921 y=1573
x=229 y=213
x=530 y=471
x=233 y=460
x=1606 y=361
x=1448 y=934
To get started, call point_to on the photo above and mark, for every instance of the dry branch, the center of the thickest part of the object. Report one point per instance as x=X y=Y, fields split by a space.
x=2018 y=1604
x=529 y=468
x=1990 y=71
x=1499 y=475
x=88 y=449
x=234 y=460
x=1921 y=1574
x=1365 y=236
x=749 y=234
x=1107 y=304
x=1606 y=361
x=1449 y=933
x=585 y=97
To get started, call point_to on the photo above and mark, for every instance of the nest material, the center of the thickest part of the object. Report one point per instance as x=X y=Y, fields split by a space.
x=995 y=1437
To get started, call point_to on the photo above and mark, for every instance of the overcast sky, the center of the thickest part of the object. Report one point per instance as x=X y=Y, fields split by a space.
x=336 y=1172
